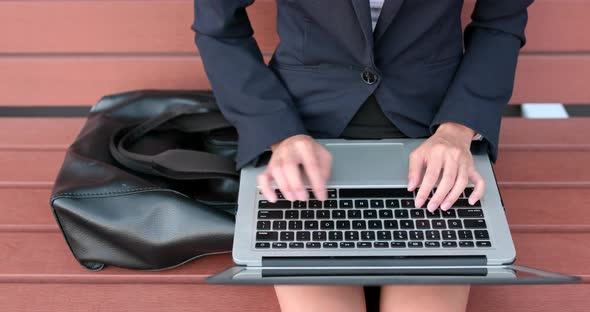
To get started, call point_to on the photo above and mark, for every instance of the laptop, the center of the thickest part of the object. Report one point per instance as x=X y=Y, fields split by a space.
x=369 y=232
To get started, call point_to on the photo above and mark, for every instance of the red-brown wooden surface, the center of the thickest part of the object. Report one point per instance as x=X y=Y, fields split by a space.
x=73 y=52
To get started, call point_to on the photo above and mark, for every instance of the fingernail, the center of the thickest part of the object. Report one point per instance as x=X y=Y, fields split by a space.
x=431 y=207
x=445 y=206
x=301 y=195
x=419 y=202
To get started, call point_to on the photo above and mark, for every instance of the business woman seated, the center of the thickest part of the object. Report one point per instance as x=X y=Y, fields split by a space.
x=365 y=69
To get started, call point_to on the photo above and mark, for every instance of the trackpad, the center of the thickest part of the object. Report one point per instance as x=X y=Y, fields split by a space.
x=368 y=163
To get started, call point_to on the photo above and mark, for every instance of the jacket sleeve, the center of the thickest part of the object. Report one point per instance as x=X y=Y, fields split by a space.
x=249 y=94
x=484 y=80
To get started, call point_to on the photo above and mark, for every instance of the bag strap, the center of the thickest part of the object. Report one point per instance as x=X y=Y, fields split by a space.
x=177 y=164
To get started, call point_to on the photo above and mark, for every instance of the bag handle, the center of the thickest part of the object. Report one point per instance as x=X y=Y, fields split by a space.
x=177 y=164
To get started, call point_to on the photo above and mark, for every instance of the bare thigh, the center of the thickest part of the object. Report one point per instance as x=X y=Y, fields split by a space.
x=312 y=298
x=440 y=298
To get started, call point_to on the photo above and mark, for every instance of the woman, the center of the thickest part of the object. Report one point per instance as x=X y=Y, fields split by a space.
x=365 y=69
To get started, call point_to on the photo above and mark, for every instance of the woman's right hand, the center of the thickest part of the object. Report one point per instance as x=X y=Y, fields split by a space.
x=291 y=158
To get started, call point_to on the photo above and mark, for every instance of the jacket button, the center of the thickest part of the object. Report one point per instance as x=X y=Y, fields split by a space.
x=369 y=76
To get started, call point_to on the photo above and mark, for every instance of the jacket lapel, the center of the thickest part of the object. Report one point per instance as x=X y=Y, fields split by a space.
x=363 y=14
x=388 y=13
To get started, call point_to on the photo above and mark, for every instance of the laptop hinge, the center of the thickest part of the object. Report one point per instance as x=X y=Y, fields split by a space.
x=369 y=261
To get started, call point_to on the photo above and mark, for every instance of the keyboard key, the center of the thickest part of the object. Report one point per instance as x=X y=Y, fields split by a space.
x=384 y=235
x=481 y=234
x=417 y=213
x=295 y=225
x=267 y=236
x=433 y=215
x=432 y=244
x=346 y=245
x=298 y=204
x=319 y=235
x=351 y=235
x=338 y=214
x=484 y=244
x=455 y=224
x=406 y=224
x=280 y=204
x=370 y=214
x=354 y=214
x=313 y=245
x=335 y=235
x=330 y=203
x=311 y=225
x=330 y=245
x=386 y=214
x=270 y=214
x=449 y=213
x=291 y=214
x=432 y=235
x=287 y=236
x=314 y=203
x=367 y=235
x=422 y=224
x=343 y=224
x=377 y=203
x=449 y=234
x=323 y=214
x=361 y=203
x=303 y=236
x=263 y=225
x=262 y=245
x=375 y=193
x=381 y=244
x=439 y=224
x=307 y=214
x=296 y=245
x=398 y=244
x=327 y=225
x=402 y=214
x=466 y=244
x=390 y=224
x=470 y=213
x=359 y=224
x=364 y=245
x=392 y=203
x=332 y=193
x=465 y=235
x=408 y=203
x=279 y=245
x=279 y=225
x=400 y=235
x=375 y=224
x=448 y=244
x=468 y=191
x=475 y=224
x=346 y=204
x=416 y=235
x=415 y=244
x=463 y=202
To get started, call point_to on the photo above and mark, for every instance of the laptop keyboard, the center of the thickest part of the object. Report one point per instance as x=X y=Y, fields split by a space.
x=368 y=218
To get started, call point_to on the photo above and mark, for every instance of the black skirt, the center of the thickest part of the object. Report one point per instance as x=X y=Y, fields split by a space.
x=370 y=122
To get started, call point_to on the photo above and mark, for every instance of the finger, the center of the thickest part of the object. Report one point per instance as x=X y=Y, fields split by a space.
x=433 y=168
x=446 y=184
x=479 y=186
x=282 y=183
x=264 y=180
x=293 y=177
x=457 y=189
x=311 y=166
x=416 y=167
x=325 y=159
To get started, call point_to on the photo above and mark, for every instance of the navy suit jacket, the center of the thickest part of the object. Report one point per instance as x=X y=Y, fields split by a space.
x=418 y=63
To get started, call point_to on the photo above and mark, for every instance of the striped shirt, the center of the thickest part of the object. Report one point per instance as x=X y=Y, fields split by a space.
x=376 y=6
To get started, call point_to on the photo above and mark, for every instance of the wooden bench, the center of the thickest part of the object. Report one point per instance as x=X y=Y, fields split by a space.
x=64 y=54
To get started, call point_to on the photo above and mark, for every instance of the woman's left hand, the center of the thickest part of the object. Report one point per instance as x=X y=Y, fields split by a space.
x=447 y=152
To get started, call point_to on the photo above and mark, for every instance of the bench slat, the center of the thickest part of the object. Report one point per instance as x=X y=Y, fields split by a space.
x=554 y=25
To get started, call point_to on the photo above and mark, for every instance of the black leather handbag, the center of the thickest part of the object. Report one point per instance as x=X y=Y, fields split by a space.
x=149 y=183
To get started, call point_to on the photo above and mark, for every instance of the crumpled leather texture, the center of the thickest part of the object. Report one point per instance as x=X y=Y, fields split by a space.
x=110 y=215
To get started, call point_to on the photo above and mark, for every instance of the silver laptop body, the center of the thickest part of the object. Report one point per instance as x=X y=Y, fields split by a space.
x=427 y=253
